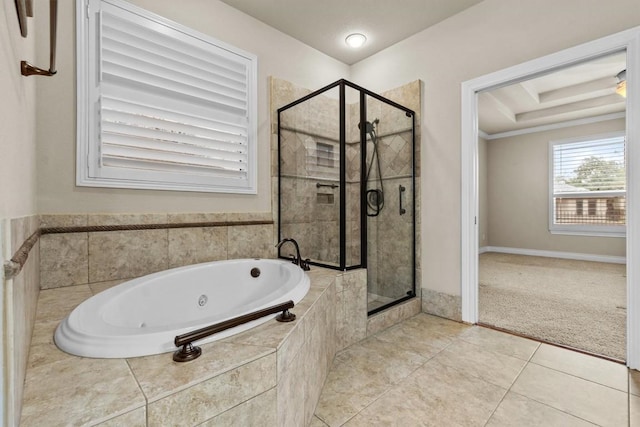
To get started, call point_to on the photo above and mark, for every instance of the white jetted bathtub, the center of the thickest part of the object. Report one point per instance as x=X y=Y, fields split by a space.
x=143 y=316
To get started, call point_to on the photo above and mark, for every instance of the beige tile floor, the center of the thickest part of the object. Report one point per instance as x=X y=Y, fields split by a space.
x=429 y=371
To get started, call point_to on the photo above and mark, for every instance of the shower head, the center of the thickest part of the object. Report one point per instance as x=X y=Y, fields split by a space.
x=370 y=128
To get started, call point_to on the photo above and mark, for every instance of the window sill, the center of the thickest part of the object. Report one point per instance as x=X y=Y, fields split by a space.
x=589 y=233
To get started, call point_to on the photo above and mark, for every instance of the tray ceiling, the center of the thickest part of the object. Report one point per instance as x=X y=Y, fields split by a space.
x=582 y=91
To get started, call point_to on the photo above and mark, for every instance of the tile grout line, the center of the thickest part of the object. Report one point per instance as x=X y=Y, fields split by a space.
x=541 y=343
x=584 y=379
x=555 y=409
x=512 y=383
x=236 y=406
x=511 y=386
x=146 y=399
x=428 y=359
x=88 y=261
x=552 y=407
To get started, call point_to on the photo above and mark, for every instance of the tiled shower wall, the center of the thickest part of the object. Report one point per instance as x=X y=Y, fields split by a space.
x=311 y=214
x=316 y=224
x=21 y=294
x=74 y=258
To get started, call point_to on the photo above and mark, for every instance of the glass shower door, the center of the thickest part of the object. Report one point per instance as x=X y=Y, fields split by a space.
x=389 y=204
x=346 y=186
x=309 y=168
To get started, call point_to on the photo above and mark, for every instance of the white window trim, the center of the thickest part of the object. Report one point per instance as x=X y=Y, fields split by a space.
x=580 y=229
x=85 y=126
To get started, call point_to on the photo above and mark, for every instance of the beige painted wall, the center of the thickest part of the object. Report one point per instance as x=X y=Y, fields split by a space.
x=278 y=55
x=517 y=171
x=17 y=201
x=483 y=202
x=17 y=118
x=484 y=38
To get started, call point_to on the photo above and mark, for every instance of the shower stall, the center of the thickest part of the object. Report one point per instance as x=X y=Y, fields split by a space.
x=346 y=186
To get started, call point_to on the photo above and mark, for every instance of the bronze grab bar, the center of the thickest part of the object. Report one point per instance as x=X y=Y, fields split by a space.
x=30 y=70
x=401 y=189
x=190 y=352
x=318 y=185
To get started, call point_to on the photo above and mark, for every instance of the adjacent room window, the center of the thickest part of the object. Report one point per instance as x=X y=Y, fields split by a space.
x=588 y=186
x=161 y=106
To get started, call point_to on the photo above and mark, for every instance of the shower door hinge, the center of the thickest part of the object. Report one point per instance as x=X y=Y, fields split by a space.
x=475 y=220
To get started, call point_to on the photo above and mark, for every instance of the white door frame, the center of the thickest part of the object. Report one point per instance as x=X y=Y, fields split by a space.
x=628 y=40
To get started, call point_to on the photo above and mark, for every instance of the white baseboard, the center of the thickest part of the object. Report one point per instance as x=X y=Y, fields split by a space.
x=555 y=254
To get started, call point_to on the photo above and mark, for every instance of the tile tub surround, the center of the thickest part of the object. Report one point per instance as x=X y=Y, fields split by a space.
x=269 y=375
x=21 y=296
x=85 y=256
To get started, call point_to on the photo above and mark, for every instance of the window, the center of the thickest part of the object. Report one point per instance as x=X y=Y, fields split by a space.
x=588 y=186
x=161 y=106
x=324 y=154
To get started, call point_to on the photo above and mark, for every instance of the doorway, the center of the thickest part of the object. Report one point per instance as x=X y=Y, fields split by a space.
x=627 y=41
x=552 y=207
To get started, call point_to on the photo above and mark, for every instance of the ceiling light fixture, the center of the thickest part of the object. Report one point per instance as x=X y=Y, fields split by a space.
x=355 y=40
x=621 y=87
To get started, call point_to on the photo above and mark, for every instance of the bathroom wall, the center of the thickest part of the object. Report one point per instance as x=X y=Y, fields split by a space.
x=278 y=55
x=17 y=116
x=517 y=171
x=80 y=252
x=487 y=37
x=17 y=206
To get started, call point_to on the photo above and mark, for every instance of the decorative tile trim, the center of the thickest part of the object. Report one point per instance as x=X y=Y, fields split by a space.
x=129 y=227
x=14 y=266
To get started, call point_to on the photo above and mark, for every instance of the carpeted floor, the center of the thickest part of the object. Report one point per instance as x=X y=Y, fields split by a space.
x=580 y=304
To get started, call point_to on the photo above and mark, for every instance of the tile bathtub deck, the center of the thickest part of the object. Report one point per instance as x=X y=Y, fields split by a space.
x=429 y=371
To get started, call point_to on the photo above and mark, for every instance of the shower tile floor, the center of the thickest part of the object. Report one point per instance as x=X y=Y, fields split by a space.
x=428 y=371
x=374 y=301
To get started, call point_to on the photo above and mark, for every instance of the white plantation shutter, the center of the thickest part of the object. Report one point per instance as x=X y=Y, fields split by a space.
x=166 y=107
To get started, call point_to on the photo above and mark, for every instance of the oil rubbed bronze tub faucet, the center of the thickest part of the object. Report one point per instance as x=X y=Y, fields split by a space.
x=297 y=260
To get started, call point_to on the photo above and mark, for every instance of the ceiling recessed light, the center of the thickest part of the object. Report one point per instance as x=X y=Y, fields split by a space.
x=355 y=40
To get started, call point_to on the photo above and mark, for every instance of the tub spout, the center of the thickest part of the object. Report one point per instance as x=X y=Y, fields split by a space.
x=302 y=263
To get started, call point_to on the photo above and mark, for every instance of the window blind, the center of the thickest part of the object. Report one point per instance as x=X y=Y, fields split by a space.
x=173 y=108
x=589 y=166
x=589 y=183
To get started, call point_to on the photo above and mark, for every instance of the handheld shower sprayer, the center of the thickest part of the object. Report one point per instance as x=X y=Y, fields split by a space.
x=374 y=196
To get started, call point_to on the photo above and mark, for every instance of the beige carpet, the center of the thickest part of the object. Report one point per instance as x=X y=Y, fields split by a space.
x=580 y=304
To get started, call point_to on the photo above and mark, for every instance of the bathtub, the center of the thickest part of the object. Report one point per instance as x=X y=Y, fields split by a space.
x=142 y=316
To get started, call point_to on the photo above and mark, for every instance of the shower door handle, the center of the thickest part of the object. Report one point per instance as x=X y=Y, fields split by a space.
x=401 y=189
